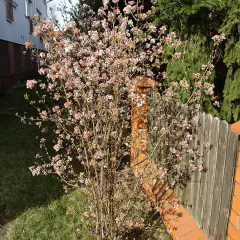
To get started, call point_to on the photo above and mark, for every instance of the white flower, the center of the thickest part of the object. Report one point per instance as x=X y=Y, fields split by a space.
x=109 y=97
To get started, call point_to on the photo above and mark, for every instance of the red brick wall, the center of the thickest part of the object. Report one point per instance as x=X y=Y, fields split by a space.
x=10 y=78
x=234 y=224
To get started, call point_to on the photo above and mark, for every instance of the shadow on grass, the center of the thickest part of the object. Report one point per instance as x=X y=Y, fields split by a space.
x=19 y=190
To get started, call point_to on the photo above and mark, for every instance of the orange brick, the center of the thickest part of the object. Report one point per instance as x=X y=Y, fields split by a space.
x=194 y=235
x=183 y=219
x=174 y=235
x=236 y=127
x=187 y=227
x=236 y=205
x=238 y=160
x=237 y=178
x=234 y=219
x=237 y=190
x=233 y=232
x=177 y=219
x=229 y=238
x=179 y=211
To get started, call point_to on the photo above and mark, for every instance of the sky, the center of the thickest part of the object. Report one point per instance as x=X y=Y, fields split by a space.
x=56 y=3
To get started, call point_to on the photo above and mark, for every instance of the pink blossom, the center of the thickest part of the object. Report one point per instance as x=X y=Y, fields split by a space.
x=37 y=31
x=56 y=96
x=164 y=76
x=94 y=35
x=31 y=84
x=76 y=130
x=51 y=86
x=198 y=84
x=131 y=2
x=41 y=71
x=177 y=55
x=105 y=2
x=86 y=135
x=43 y=115
x=128 y=9
x=28 y=44
x=219 y=38
x=43 y=140
x=69 y=94
x=153 y=2
x=67 y=104
x=78 y=116
x=38 y=155
x=56 y=109
x=35 y=170
x=196 y=75
x=76 y=32
x=210 y=91
x=163 y=28
x=173 y=150
x=216 y=103
x=86 y=214
x=71 y=25
x=58 y=146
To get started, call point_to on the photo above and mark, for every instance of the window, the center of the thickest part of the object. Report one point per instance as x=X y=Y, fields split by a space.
x=29 y=8
x=9 y=10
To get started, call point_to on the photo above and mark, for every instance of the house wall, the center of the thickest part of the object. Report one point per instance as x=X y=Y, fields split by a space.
x=15 y=66
x=18 y=31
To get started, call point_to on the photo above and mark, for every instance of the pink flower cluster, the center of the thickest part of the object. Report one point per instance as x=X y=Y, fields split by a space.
x=31 y=84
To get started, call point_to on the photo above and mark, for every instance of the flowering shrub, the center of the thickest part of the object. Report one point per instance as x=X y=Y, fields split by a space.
x=85 y=103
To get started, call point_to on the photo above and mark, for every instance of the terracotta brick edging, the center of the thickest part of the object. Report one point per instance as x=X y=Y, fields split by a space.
x=234 y=224
x=177 y=219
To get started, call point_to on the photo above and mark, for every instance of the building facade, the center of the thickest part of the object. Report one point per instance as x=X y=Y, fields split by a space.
x=15 y=29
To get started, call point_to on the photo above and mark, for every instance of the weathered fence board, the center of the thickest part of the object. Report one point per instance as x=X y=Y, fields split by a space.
x=211 y=173
x=205 y=173
x=208 y=194
x=232 y=149
x=220 y=167
x=197 y=178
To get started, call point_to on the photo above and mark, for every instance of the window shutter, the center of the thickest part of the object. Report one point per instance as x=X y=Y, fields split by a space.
x=9 y=10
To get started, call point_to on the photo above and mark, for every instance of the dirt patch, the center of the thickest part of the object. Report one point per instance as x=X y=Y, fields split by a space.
x=4 y=230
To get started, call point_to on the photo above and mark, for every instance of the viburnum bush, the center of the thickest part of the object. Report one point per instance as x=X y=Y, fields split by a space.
x=84 y=107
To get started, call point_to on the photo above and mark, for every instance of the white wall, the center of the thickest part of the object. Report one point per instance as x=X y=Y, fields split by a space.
x=18 y=31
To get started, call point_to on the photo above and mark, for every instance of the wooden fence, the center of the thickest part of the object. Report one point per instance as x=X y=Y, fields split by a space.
x=208 y=194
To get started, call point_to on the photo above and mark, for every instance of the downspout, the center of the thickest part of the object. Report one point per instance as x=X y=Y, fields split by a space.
x=35 y=3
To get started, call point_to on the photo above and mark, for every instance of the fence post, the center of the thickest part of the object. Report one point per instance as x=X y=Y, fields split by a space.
x=139 y=155
x=178 y=220
x=234 y=223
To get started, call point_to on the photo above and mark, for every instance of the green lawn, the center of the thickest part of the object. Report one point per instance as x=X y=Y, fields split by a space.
x=61 y=219
x=19 y=190
x=33 y=208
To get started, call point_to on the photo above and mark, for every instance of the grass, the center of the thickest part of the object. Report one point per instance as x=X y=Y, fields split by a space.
x=60 y=220
x=19 y=190
x=33 y=208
